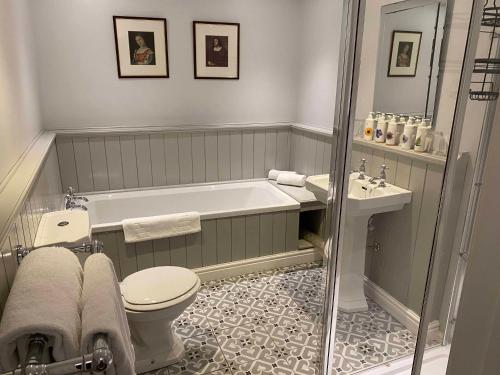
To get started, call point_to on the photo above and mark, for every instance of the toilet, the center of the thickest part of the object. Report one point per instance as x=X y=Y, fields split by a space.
x=153 y=299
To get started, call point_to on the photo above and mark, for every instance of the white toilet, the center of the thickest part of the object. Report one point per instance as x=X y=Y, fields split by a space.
x=153 y=299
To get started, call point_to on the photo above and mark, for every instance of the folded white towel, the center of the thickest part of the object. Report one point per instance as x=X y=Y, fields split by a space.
x=44 y=299
x=291 y=179
x=156 y=227
x=274 y=173
x=103 y=312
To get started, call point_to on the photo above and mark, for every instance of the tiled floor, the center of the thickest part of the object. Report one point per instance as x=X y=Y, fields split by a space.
x=269 y=323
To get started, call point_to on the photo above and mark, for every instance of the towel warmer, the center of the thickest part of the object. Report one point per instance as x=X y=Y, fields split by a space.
x=91 y=247
x=98 y=361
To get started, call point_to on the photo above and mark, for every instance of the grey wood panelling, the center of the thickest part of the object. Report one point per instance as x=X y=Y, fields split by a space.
x=45 y=195
x=310 y=152
x=135 y=160
x=220 y=241
x=405 y=236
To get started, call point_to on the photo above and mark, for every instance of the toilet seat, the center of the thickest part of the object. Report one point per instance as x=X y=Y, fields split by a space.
x=158 y=288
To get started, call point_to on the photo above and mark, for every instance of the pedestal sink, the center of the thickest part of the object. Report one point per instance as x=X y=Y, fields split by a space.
x=364 y=199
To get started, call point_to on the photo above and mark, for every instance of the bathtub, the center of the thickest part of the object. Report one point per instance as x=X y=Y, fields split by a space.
x=221 y=200
x=243 y=224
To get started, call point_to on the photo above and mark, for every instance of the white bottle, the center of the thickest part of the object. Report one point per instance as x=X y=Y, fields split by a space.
x=370 y=125
x=381 y=128
x=421 y=140
x=409 y=135
x=392 y=131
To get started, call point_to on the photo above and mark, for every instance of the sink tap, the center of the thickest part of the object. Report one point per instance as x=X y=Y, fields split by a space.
x=362 y=170
x=383 y=176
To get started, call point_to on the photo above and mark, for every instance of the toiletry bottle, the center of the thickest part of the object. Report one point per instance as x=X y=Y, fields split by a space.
x=370 y=125
x=409 y=135
x=392 y=131
x=381 y=128
x=423 y=132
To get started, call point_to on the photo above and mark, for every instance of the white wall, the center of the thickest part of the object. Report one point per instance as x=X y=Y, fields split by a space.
x=319 y=50
x=19 y=111
x=79 y=86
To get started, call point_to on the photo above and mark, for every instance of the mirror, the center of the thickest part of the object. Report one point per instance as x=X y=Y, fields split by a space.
x=408 y=57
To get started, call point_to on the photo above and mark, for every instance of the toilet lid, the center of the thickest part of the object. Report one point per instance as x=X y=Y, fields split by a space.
x=157 y=285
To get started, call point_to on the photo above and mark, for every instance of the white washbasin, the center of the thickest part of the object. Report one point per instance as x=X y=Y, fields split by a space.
x=318 y=185
x=63 y=228
x=365 y=198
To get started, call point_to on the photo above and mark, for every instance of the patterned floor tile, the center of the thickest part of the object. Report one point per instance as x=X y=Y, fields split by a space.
x=191 y=323
x=203 y=356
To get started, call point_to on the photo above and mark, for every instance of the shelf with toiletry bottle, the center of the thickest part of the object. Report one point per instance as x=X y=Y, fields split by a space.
x=411 y=136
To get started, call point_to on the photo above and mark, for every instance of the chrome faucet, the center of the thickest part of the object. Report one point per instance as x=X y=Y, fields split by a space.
x=383 y=176
x=362 y=170
x=70 y=200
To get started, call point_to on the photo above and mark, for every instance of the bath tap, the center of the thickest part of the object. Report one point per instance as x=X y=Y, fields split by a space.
x=70 y=199
x=71 y=205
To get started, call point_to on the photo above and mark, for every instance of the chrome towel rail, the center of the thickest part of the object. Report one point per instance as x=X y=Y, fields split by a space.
x=98 y=361
x=91 y=247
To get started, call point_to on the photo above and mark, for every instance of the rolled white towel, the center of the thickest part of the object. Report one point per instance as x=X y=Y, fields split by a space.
x=274 y=173
x=44 y=299
x=103 y=312
x=291 y=179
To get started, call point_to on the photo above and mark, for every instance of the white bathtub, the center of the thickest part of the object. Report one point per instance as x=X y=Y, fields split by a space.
x=211 y=201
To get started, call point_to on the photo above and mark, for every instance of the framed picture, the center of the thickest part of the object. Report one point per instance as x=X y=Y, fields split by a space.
x=216 y=50
x=141 y=47
x=405 y=48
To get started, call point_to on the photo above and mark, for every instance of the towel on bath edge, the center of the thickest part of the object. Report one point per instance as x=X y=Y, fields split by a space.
x=164 y=226
x=291 y=179
x=44 y=299
x=274 y=173
x=103 y=312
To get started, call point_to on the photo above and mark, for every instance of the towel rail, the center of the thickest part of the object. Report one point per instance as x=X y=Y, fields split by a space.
x=92 y=247
x=96 y=362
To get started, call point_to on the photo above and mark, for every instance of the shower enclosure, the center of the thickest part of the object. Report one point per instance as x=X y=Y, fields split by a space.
x=414 y=259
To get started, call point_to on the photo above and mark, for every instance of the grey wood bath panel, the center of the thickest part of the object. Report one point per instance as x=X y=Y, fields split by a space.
x=145 y=255
x=198 y=146
x=172 y=158
x=99 y=166
x=266 y=234
x=259 y=154
x=223 y=155
x=193 y=250
x=209 y=242
x=252 y=236
x=185 y=158
x=178 y=255
x=223 y=240
x=67 y=165
x=292 y=230
x=236 y=150
x=129 y=161
x=279 y=232
x=127 y=255
x=144 y=164
x=211 y=152
x=114 y=162
x=158 y=160
x=238 y=238
x=161 y=249
x=247 y=154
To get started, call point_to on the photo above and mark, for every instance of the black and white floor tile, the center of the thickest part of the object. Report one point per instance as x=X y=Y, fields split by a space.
x=269 y=323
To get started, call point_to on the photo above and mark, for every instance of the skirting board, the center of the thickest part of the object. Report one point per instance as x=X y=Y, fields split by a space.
x=269 y=262
x=403 y=314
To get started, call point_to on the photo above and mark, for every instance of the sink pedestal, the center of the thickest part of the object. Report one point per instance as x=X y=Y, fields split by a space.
x=352 y=293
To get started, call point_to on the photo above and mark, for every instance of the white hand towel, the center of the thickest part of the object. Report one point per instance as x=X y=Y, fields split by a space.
x=274 y=173
x=156 y=227
x=103 y=312
x=291 y=179
x=44 y=299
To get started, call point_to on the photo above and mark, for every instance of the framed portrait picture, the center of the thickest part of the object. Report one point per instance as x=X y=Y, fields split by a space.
x=216 y=50
x=141 y=47
x=405 y=48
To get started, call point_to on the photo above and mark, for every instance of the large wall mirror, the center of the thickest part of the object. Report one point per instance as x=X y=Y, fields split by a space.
x=410 y=37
